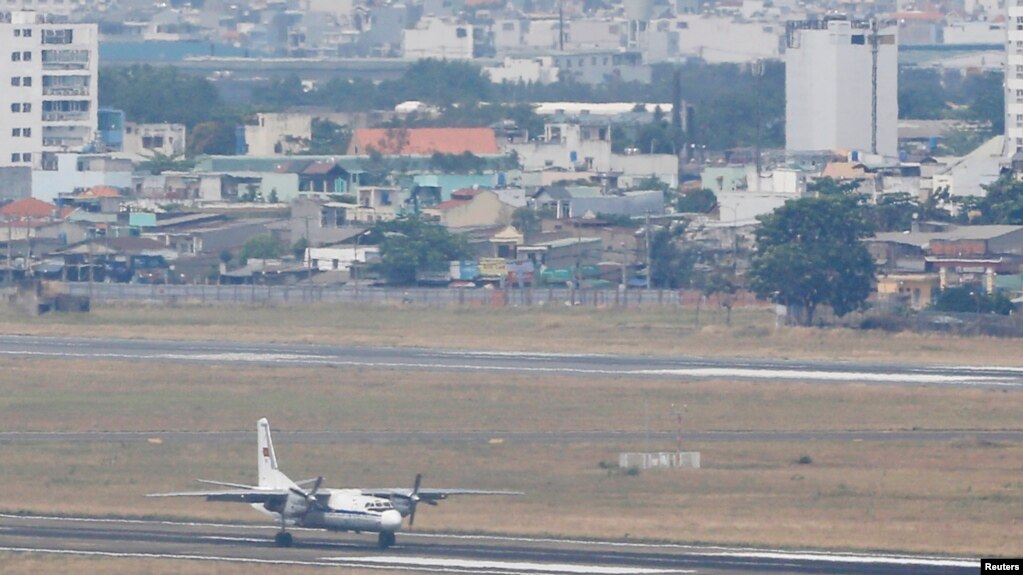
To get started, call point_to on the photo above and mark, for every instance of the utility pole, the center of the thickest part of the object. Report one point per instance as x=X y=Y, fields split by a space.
x=758 y=73
x=561 y=26
x=649 y=266
x=307 y=259
x=873 y=85
x=10 y=268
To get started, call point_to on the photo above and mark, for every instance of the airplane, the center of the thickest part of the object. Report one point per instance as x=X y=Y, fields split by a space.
x=373 y=510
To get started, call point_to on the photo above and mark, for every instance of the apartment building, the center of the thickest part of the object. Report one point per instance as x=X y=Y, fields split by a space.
x=841 y=87
x=1014 y=78
x=48 y=104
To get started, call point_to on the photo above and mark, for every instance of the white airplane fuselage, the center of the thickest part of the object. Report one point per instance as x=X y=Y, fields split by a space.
x=346 y=510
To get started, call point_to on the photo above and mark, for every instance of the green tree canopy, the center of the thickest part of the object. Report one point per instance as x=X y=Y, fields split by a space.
x=212 y=138
x=828 y=186
x=413 y=244
x=698 y=201
x=329 y=137
x=526 y=220
x=151 y=94
x=261 y=247
x=671 y=264
x=1003 y=203
x=972 y=299
x=809 y=252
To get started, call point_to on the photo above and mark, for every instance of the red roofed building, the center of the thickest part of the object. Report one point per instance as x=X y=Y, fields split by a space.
x=424 y=141
x=28 y=208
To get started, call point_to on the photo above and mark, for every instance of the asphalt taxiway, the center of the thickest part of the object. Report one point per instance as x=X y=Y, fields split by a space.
x=422 y=552
x=583 y=365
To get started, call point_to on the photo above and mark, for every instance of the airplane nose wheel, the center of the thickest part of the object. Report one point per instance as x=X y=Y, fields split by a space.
x=385 y=540
x=283 y=539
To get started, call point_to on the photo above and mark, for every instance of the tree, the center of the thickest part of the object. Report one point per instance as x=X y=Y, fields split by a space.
x=261 y=248
x=828 y=186
x=159 y=163
x=808 y=252
x=299 y=247
x=329 y=138
x=159 y=94
x=212 y=138
x=670 y=264
x=1002 y=204
x=412 y=245
x=972 y=299
x=721 y=282
x=698 y=201
x=894 y=212
x=526 y=220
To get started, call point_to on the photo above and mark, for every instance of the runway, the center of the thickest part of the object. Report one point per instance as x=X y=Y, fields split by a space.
x=432 y=553
x=554 y=364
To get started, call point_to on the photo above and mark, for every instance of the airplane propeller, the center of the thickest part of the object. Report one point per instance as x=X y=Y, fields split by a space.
x=310 y=497
x=413 y=499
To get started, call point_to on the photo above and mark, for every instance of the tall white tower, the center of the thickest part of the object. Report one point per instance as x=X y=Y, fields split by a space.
x=49 y=96
x=841 y=87
x=1014 y=78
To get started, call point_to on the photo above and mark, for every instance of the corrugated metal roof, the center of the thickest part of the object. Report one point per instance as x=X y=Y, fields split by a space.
x=922 y=239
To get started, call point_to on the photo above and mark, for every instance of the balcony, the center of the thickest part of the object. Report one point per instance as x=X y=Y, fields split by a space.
x=65 y=90
x=65 y=116
x=65 y=65
x=63 y=142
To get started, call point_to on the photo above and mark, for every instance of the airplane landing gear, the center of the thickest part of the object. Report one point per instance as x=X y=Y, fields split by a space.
x=385 y=540
x=283 y=539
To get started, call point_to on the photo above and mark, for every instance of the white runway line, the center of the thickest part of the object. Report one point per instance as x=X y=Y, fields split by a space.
x=515 y=566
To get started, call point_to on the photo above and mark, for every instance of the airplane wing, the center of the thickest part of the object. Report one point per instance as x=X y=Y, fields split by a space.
x=235 y=495
x=431 y=495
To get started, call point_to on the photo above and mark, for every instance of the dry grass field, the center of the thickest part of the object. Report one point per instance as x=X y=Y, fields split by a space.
x=79 y=395
x=950 y=497
x=957 y=497
x=963 y=497
x=658 y=331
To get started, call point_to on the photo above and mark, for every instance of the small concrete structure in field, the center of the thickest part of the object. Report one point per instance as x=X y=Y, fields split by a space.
x=658 y=459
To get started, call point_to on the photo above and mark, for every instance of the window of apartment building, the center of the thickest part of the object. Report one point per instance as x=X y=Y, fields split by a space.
x=62 y=36
x=26 y=81
x=17 y=32
x=27 y=132
x=15 y=132
x=15 y=56
x=16 y=107
x=16 y=81
x=26 y=107
x=15 y=157
x=26 y=157
x=26 y=56
x=26 y=32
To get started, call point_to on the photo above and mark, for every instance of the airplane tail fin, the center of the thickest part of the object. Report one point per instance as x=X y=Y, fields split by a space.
x=269 y=476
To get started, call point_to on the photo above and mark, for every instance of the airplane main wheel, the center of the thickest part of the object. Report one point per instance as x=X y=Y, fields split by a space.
x=283 y=539
x=385 y=539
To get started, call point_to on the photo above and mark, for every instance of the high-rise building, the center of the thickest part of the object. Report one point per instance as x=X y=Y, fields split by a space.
x=1013 y=78
x=841 y=87
x=48 y=99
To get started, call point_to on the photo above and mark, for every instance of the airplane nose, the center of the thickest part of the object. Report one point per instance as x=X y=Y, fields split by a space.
x=390 y=520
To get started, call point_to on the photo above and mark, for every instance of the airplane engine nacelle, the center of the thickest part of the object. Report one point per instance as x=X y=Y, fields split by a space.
x=296 y=505
x=403 y=505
